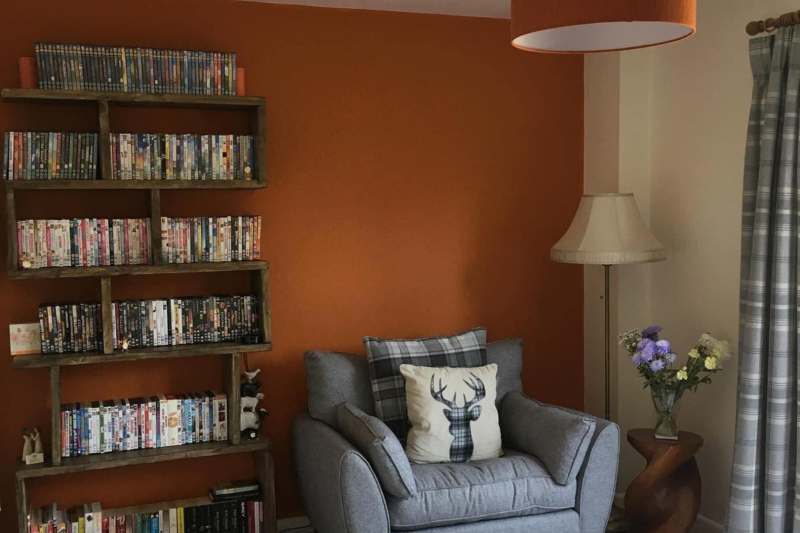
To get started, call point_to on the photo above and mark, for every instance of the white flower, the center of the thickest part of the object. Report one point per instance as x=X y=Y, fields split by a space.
x=707 y=341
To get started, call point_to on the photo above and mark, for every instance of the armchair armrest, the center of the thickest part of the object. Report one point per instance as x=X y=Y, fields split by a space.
x=339 y=490
x=556 y=435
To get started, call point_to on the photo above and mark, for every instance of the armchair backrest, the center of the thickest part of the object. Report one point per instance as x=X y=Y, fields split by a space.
x=334 y=378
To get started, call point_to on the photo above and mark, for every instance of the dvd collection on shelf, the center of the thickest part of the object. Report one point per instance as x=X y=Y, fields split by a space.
x=240 y=513
x=170 y=156
x=210 y=239
x=79 y=67
x=180 y=321
x=141 y=423
x=83 y=242
x=33 y=155
x=75 y=328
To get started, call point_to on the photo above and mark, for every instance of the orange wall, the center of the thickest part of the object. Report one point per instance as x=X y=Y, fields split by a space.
x=420 y=169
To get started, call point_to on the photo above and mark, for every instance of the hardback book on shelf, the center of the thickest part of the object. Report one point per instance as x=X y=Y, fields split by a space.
x=241 y=515
x=210 y=239
x=168 y=156
x=83 y=242
x=80 y=67
x=143 y=423
x=34 y=155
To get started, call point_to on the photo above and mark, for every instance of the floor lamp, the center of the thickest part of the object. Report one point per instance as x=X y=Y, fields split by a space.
x=608 y=230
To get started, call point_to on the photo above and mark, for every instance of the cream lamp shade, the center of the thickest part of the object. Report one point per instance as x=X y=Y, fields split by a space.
x=587 y=26
x=608 y=230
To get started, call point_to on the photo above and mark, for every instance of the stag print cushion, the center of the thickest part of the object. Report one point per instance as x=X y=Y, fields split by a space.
x=385 y=356
x=453 y=414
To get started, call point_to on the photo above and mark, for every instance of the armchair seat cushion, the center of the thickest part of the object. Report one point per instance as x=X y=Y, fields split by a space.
x=458 y=493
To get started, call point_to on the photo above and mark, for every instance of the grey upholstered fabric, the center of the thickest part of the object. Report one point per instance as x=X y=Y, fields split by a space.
x=334 y=378
x=507 y=354
x=597 y=478
x=558 y=522
x=339 y=490
x=448 y=493
x=380 y=446
x=556 y=436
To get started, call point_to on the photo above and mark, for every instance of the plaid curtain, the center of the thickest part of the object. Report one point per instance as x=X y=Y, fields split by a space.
x=764 y=472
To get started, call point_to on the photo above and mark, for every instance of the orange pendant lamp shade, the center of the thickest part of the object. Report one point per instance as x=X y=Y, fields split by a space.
x=587 y=26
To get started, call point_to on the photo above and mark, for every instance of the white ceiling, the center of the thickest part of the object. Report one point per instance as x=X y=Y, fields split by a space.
x=465 y=8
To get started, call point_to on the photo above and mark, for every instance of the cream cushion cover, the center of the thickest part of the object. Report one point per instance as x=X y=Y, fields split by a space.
x=452 y=413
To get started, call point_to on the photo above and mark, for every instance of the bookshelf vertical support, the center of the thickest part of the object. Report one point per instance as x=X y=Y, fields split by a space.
x=260 y=283
x=232 y=380
x=258 y=129
x=155 y=226
x=11 y=225
x=55 y=415
x=105 y=304
x=22 y=506
x=265 y=466
x=104 y=138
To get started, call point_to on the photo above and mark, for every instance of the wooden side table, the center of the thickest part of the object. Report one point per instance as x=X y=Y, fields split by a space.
x=665 y=497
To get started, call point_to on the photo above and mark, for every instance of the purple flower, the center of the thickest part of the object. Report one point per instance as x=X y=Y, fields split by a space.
x=647 y=350
x=663 y=347
x=652 y=332
x=670 y=357
x=636 y=360
x=657 y=365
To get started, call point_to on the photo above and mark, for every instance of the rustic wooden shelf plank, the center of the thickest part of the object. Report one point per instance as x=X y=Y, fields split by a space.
x=38 y=96
x=139 y=354
x=104 y=461
x=132 y=184
x=138 y=270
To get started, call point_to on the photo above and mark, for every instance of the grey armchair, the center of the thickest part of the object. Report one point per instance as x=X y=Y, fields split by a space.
x=515 y=493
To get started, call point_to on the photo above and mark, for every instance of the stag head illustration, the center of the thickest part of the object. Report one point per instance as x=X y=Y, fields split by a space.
x=461 y=418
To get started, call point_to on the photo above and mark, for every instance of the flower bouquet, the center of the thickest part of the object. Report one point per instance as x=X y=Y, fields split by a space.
x=655 y=360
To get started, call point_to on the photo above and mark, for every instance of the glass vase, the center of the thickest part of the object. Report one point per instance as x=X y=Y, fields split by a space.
x=668 y=405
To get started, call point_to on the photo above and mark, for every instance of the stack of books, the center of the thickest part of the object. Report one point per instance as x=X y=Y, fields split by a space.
x=141 y=423
x=70 y=328
x=198 y=515
x=166 y=156
x=33 y=155
x=235 y=490
x=79 y=67
x=210 y=239
x=83 y=242
x=179 y=321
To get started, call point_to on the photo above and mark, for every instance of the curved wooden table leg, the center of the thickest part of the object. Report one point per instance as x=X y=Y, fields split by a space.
x=665 y=497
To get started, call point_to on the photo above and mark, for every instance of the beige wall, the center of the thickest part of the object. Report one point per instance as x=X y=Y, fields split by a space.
x=681 y=114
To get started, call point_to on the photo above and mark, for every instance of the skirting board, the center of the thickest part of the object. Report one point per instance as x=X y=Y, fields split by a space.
x=289 y=524
x=703 y=524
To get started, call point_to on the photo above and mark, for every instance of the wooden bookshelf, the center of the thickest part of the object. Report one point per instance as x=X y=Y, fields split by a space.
x=40 y=96
x=138 y=270
x=139 y=354
x=103 y=461
x=107 y=184
x=261 y=449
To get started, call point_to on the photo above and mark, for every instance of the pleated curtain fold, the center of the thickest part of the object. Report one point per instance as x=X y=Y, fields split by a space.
x=764 y=473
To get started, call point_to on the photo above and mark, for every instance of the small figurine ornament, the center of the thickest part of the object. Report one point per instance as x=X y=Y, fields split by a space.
x=27 y=448
x=251 y=416
x=125 y=344
x=32 y=449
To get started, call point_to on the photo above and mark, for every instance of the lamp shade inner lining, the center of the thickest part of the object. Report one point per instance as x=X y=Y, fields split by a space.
x=603 y=36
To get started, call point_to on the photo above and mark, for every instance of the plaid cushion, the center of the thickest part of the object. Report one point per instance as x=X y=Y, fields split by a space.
x=464 y=350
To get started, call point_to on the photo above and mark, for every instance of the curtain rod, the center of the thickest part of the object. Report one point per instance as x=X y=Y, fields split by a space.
x=761 y=26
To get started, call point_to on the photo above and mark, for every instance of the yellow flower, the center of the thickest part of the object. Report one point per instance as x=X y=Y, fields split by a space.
x=694 y=354
x=711 y=363
x=682 y=374
x=717 y=353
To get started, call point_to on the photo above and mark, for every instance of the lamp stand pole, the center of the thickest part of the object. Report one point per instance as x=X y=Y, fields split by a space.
x=607 y=269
